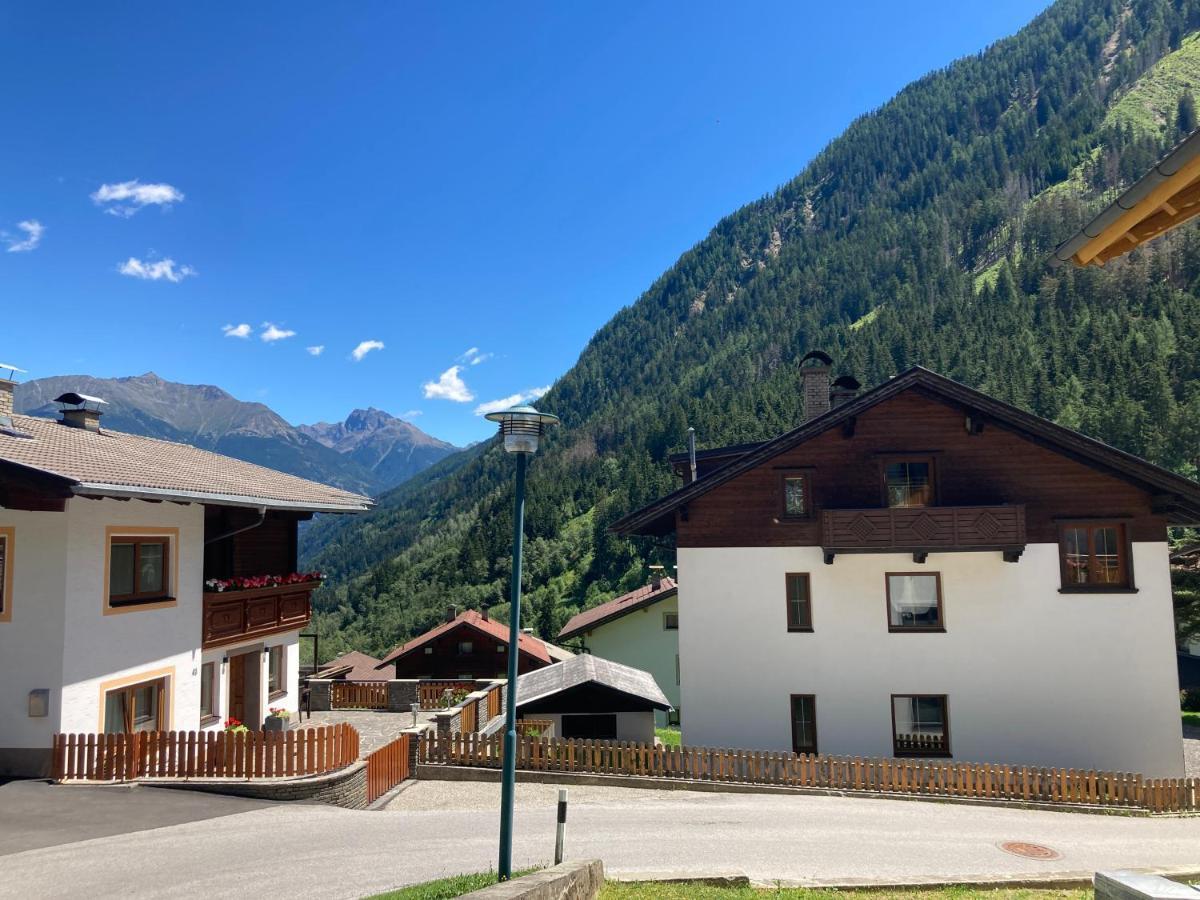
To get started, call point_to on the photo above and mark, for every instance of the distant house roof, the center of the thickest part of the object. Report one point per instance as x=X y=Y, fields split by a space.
x=588 y=669
x=644 y=596
x=113 y=464
x=1179 y=497
x=353 y=666
x=527 y=643
x=1166 y=196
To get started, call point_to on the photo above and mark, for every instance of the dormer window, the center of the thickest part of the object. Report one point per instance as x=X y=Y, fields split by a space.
x=908 y=481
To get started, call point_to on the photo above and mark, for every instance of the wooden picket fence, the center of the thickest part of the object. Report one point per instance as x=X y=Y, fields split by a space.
x=936 y=778
x=358 y=695
x=431 y=694
x=535 y=727
x=191 y=754
x=387 y=767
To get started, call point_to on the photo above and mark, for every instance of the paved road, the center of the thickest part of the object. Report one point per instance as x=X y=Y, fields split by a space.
x=38 y=814
x=441 y=828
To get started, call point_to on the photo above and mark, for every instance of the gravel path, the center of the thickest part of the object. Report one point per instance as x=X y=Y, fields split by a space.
x=1191 y=751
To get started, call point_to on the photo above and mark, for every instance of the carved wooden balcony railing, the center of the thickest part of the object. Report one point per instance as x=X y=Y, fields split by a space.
x=925 y=529
x=231 y=616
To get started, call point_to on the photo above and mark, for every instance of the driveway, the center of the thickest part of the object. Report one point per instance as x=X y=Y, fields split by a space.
x=39 y=814
x=440 y=828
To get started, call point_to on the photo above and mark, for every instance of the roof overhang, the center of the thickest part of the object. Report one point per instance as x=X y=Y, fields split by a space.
x=1166 y=196
x=648 y=600
x=553 y=692
x=127 y=492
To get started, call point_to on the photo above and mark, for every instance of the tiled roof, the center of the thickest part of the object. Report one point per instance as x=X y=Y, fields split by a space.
x=614 y=609
x=527 y=643
x=586 y=668
x=360 y=667
x=114 y=464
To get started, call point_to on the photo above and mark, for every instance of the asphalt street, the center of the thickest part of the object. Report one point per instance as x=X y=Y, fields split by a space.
x=439 y=828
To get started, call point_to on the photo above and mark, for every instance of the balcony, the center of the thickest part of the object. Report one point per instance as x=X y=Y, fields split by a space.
x=922 y=530
x=231 y=616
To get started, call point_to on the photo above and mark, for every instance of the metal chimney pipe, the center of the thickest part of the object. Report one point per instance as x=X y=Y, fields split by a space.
x=692 y=451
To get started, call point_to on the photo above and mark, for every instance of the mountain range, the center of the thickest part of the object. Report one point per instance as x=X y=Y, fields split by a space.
x=370 y=452
x=922 y=235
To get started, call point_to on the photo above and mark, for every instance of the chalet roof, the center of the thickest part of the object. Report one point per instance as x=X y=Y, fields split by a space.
x=1179 y=496
x=528 y=644
x=114 y=464
x=353 y=666
x=586 y=668
x=1166 y=196
x=646 y=595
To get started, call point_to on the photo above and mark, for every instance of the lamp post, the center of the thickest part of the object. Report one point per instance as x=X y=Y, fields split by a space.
x=521 y=428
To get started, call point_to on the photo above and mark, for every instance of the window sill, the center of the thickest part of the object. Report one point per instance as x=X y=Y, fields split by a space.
x=904 y=629
x=794 y=630
x=1096 y=589
x=205 y=721
x=275 y=695
x=927 y=754
x=124 y=606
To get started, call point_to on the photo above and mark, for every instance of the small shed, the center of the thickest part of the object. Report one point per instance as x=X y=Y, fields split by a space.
x=590 y=697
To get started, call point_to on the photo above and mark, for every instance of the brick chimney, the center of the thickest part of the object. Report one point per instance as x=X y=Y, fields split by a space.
x=814 y=377
x=451 y=613
x=844 y=390
x=7 y=386
x=656 y=577
x=88 y=419
x=484 y=614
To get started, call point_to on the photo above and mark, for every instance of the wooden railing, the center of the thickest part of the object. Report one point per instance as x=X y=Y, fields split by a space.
x=358 y=695
x=495 y=701
x=190 y=754
x=432 y=694
x=387 y=767
x=230 y=616
x=922 y=745
x=535 y=727
x=841 y=773
x=469 y=716
x=924 y=529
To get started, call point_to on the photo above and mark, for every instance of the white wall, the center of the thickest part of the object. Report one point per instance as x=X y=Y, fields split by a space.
x=1033 y=676
x=99 y=648
x=31 y=649
x=638 y=639
x=290 y=701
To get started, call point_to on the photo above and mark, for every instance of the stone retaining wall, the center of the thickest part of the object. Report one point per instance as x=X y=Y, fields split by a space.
x=346 y=787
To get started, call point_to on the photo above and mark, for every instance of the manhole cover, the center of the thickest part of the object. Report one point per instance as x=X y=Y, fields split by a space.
x=1029 y=851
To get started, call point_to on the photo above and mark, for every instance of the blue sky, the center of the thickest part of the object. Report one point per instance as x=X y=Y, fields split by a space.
x=434 y=178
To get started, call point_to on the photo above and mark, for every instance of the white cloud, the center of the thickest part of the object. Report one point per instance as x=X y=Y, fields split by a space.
x=364 y=348
x=270 y=333
x=474 y=357
x=163 y=269
x=33 y=230
x=410 y=414
x=237 y=331
x=511 y=400
x=129 y=197
x=449 y=386
x=315 y=351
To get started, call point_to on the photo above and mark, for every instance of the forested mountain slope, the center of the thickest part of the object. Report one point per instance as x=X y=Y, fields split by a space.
x=921 y=235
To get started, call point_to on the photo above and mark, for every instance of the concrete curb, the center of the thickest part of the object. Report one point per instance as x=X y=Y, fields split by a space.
x=1063 y=880
x=428 y=772
x=581 y=880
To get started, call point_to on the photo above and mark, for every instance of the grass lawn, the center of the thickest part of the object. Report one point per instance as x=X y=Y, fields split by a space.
x=669 y=736
x=649 y=891
x=445 y=888
x=1191 y=719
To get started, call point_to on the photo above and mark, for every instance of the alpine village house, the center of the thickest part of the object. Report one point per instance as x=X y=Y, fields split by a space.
x=922 y=570
x=121 y=607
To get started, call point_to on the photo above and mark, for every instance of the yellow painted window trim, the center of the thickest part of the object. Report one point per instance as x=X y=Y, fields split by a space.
x=9 y=535
x=172 y=534
x=167 y=674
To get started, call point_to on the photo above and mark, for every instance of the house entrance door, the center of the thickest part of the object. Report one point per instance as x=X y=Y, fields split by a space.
x=237 y=687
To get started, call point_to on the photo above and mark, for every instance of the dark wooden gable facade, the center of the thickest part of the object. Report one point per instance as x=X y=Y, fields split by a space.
x=979 y=472
x=444 y=656
x=269 y=548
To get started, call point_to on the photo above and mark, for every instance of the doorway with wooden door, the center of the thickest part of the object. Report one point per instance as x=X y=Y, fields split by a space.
x=245 y=672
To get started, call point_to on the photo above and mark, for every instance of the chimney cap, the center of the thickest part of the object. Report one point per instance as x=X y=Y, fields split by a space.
x=819 y=355
x=849 y=382
x=78 y=399
x=12 y=370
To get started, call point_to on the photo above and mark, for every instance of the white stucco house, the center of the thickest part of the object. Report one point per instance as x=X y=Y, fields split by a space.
x=923 y=570
x=639 y=629
x=144 y=585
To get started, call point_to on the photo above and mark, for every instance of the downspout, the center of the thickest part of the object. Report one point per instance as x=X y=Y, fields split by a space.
x=262 y=517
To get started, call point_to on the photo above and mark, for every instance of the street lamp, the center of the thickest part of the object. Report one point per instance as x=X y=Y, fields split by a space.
x=521 y=428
